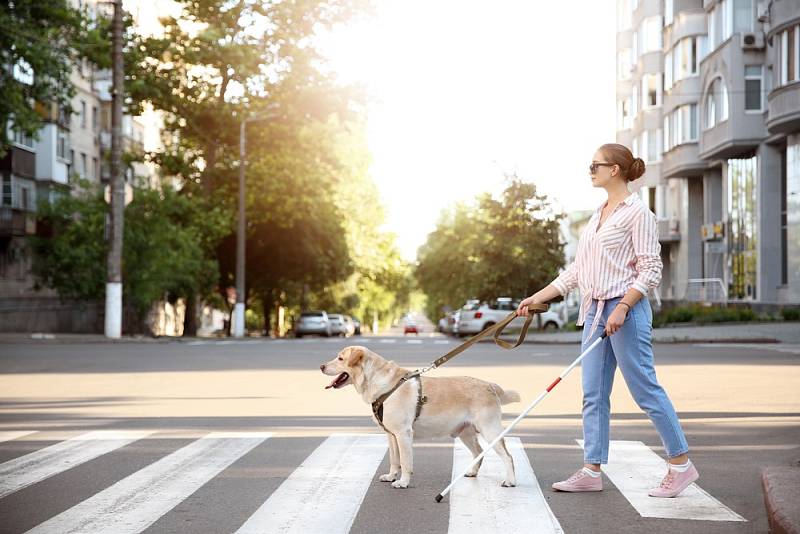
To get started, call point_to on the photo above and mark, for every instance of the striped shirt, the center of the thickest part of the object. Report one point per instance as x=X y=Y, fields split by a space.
x=622 y=253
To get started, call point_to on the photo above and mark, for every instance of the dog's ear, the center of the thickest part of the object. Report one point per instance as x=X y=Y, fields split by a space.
x=355 y=357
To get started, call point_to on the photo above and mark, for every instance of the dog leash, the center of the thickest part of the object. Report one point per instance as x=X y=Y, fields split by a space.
x=495 y=330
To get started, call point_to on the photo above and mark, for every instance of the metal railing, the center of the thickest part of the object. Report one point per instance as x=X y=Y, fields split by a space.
x=706 y=290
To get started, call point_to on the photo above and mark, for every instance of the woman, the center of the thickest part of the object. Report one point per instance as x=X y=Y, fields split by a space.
x=618 y=261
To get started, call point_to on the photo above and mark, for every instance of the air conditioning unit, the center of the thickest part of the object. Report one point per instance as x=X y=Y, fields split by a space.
x=752 y=40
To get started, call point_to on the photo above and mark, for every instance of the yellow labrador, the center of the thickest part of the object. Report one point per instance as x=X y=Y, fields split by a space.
x=456 y=406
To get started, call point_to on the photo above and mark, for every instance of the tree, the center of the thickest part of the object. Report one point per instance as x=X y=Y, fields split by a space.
x=40 y=42
x=499 y=247
x=165 y=248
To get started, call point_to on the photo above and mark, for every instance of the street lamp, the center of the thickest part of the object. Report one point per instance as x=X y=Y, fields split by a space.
x=238 y=310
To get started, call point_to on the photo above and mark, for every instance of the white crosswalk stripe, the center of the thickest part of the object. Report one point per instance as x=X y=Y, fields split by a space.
x=480 y=504
x=634 y=469
x=326 y=491
x=137 y=501
x=10 y=435
x=31 y=468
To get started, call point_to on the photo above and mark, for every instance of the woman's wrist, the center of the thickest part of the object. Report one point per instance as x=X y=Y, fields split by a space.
x=626 y=305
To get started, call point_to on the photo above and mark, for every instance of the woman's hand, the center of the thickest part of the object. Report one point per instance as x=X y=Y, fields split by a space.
x=522 y=309
x=616 y=318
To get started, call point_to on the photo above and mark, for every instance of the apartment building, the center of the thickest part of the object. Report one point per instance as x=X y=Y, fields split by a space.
x=708 y=94
x=74 y=143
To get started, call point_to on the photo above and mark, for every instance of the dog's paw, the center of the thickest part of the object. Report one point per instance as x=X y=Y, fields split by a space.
x=399 y=484
x=388 y=477
x=507 y=484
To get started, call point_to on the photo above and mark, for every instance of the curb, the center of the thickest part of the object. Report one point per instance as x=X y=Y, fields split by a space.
x=781 y=486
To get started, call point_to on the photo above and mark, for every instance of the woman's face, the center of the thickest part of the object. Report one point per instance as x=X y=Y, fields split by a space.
x=603 y=175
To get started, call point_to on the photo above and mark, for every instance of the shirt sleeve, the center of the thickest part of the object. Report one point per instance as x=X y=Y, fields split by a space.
x=648 y=252
x=567 y=280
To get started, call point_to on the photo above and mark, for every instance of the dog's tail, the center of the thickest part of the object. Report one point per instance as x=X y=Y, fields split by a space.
x=505 y=397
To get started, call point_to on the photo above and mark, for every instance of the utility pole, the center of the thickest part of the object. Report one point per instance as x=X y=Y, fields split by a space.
x=238 y=310
x=113 y=326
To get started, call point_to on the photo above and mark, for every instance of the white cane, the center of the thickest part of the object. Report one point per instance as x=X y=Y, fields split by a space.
x=530 y=407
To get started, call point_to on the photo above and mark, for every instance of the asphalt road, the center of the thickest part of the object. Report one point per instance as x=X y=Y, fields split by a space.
x=288 y=452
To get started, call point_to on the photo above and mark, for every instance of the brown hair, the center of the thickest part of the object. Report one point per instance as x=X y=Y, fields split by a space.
x=630 y=167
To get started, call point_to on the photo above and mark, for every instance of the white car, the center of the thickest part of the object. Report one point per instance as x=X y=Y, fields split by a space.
x=313 y=322
x=483 y=315
x=341 y=325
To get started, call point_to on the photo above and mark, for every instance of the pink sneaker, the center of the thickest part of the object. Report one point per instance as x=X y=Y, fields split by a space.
x=580 y=481
x=675 y=482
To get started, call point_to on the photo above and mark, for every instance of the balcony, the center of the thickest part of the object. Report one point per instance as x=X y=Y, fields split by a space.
x=784 y=109
x=16 y=222
x=20 y=162
x=668 y=230
x=682 y=161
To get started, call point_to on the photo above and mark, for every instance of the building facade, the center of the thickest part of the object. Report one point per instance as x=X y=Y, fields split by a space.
x=708 y=94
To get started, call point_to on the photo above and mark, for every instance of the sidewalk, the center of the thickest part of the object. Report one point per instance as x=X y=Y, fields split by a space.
x=772 y=332
x=784 y=332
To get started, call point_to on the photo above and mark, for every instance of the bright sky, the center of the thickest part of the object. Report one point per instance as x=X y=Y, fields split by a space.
x=466 y=91
x=469 y=90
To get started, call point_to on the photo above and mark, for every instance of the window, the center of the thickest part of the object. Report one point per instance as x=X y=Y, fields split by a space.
x=716 y=103
x=624 y=64
x=743 y=16
x=790 y=51
x=95 y=169
x=83 y=165
x=650 y=35
x=83 y=114
x=624 y=114
x=94 y=118
x=742 y=199
x=651 y=91
x=669 y=8
x=680 y=126
x=21 y=138
x=668 y=71
x=635 y=45
x=753 y=75
x=62 y=143
x=653 y=142
x=623 y=15
x=720 y=23
x=635 y=102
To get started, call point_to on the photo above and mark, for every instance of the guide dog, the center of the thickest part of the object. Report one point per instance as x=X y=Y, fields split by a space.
x=453 y=406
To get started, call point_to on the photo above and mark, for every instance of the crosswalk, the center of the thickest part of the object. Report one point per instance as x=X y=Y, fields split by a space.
x=326 y=490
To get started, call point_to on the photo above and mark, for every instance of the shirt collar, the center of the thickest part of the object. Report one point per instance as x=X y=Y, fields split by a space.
x=630 y=199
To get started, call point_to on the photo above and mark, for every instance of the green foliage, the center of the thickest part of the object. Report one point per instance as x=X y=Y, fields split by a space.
x=496 y=247
x=48 y=38
x=701 y=314
x=166 y=246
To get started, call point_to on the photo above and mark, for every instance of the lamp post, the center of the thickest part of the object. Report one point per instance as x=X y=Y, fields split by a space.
x=238 y=309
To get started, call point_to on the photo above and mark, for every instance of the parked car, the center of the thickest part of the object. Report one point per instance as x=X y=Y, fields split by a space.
x=411 y=328
x=341 y=325
x=441 y=325
x=313 y=322
x=486 y=314
x=356 y=325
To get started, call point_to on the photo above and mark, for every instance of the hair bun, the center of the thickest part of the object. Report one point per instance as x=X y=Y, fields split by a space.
x=636 y=169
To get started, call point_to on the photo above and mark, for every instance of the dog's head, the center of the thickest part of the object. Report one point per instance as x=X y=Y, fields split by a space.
x=347 y=366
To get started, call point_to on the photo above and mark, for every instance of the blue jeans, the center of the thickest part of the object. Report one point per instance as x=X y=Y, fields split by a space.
x=629 y=347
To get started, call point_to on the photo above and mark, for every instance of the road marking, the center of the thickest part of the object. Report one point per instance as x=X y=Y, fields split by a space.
x=10 y=435
x=480 y=504
x=634 y=469
x=441 y=342
x=388 y=341
x=326 y=491
x=34 y=467
x=414 y=341
x=137 y=501
x=776 y=347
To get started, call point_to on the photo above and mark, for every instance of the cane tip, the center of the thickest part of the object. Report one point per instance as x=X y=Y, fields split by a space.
x=439 y=498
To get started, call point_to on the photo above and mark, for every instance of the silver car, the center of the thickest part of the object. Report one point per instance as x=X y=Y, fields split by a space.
x=341 y=325
x=313 y=322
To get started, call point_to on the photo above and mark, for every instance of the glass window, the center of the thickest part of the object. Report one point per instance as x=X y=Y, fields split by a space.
x=653 y=152
x=727 y=18
x=711 y=110
x=83 y=114
x=650 y=35
x=723 y=102
x=669 y=8
x=668 y=71
x=623 y=15
x=624 y=119
x=792 y=215
x=743 y=16
x=651 y=90
x=666 y=133
x=624 y=64
x=752 y=87
x=742 y=228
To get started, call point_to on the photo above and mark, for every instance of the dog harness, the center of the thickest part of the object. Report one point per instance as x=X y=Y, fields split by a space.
x=377 y=404
x=495 y=330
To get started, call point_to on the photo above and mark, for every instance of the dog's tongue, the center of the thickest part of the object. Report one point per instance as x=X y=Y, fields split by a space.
x=335 y=380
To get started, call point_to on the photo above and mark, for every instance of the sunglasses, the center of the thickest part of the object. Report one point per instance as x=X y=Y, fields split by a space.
x=593 y=166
